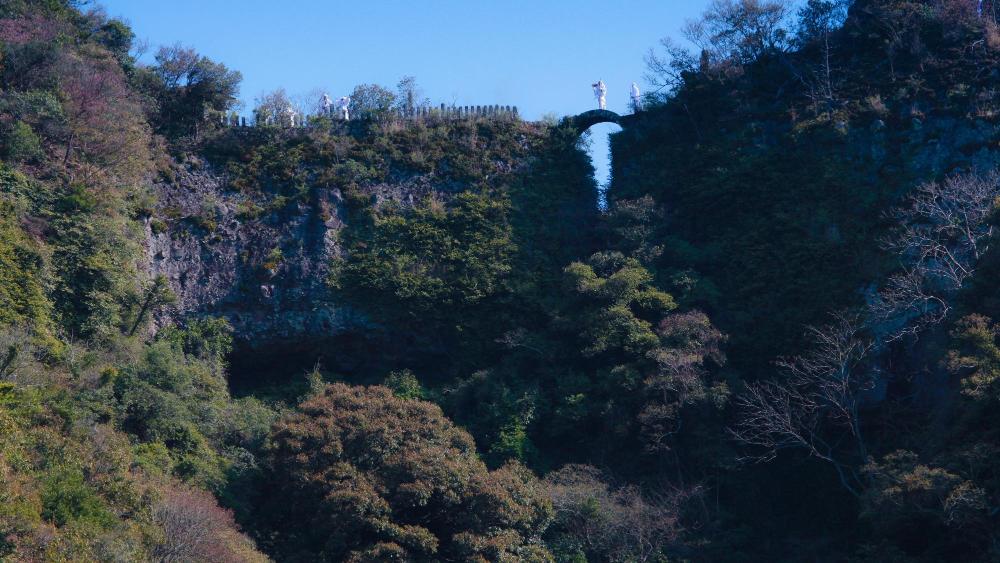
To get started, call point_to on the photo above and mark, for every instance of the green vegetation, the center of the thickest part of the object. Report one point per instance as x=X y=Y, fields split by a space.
x=381 y=477
x=22 y=295
x=778 y=342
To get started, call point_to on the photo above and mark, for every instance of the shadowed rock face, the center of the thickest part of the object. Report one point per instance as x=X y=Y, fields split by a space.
x=266 y=271
x=263 y=261
x=267 y=274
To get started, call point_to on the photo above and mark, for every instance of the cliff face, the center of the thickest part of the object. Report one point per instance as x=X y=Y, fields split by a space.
x=261 y=256
x=778 y=208
x=267 y=275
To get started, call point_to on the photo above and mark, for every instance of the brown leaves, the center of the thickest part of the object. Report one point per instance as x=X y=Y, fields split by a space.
x=107 y=132
x=195 y=528
x=381 y=474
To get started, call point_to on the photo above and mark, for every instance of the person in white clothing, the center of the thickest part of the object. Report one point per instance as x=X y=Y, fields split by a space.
x=601 y=93
x=343 y=105
x=636 y=98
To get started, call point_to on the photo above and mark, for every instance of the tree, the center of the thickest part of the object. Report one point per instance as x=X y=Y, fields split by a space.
x=666 y=69
x=816 y=406
x=195 y=528
x=271 y=107
x=975 y=356
x=371 y=101
x=117 y=37
x=194 y=88
x=739 y=31
x=105 y=125
x=818 y=19
x=19 y=357
x=409 y=96
x=690 y=347
x=617 y=368
x=157 y=295
x=22 y=144
x=945 y=228
x=621 y=305
x=907 y=498
x=611 y=524
x=23 y=298
x=374 y=474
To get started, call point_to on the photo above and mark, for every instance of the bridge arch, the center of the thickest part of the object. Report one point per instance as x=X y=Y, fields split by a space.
x=601 y=124
x=587 y=119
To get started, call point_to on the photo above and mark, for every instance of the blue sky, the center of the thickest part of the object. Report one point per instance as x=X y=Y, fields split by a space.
x=539 y=55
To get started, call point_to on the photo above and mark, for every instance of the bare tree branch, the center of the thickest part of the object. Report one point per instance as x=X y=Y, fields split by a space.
x=945 y=228
x=816 y=406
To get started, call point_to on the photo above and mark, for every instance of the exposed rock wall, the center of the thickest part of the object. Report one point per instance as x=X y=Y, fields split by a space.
x=266 y=274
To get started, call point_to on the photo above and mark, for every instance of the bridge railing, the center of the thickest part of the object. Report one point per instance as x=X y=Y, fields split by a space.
x=420 y=113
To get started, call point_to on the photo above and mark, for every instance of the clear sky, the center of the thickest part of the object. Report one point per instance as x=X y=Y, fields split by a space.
x=540 y=55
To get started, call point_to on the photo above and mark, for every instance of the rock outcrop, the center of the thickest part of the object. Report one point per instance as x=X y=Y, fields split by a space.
x=264 y=269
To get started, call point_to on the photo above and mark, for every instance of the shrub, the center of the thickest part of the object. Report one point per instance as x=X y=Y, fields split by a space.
x=22 y=144
x=376 y=474
x=66 y=498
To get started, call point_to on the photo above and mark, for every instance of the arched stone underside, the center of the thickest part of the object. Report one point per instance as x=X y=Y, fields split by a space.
x=585 y=120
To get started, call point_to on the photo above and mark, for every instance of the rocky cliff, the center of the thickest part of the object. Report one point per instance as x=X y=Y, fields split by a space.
x=267 y=275
x=262 y=257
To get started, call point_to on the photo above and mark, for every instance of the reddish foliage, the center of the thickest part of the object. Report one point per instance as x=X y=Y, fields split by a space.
x=105 y=124
x=31 y=28
x=197 y=529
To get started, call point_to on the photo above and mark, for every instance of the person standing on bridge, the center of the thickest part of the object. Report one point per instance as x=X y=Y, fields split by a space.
x=601 y=93
x=636 y=99
x=343 y=106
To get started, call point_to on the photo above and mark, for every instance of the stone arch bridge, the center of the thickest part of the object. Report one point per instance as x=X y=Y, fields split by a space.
x=587 y=119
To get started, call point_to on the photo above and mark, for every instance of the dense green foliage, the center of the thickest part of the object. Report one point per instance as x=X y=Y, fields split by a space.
x=100 y=425
x=761 y=189
x=22 y=296
x=531 y=377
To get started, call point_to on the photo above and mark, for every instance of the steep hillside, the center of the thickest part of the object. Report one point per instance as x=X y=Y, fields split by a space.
x=776 y=197
x=415 y=336
x=832 y=184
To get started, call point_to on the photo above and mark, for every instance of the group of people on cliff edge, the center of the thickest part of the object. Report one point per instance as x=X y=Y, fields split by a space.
x=343 y=105
x=601 y=93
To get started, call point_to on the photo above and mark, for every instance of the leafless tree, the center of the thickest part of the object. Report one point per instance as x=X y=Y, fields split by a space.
x=730 y=33
x=816 y=405
x=270 y=106
x=620 y=524
x=195 y=528
x=409 y=96
x=818 y=22
x=308 y=102
x=944 y=229
x=18 y=357
x=665 y=68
